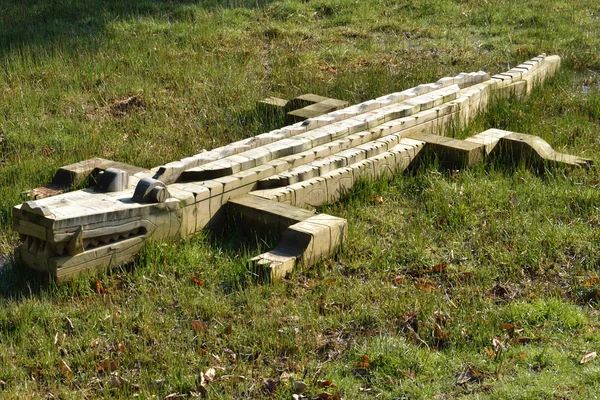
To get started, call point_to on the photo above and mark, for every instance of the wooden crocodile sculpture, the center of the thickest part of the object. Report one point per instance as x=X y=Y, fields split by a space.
x=271 y=181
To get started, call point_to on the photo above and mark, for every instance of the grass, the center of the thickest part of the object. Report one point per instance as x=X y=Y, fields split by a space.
x=480 y=284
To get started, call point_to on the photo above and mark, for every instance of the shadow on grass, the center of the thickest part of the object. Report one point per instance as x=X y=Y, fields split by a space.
x=17 y=281
x=72 y=23
x=239 y=242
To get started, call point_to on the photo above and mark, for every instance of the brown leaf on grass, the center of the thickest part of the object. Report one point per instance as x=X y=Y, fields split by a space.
x=122 y=348
x=361 y=368
x=99 y=289
x=65 y=370
x=364 y=362
x=427 y=285
x=228 y=329
x=437 y=329
x=107 y=365
x=197 y=281
x=199 y=326
x=490 y=353
x=440 y=267
x=588 y=357
x=591 y=282
x=507 y=327
x=327 y=383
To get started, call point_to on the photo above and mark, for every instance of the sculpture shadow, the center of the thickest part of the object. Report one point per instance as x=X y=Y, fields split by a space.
x=71 y=23
x=17 y=282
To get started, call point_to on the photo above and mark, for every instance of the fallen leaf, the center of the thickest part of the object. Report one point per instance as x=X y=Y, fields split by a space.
x=508 y=327
x=427 y=285
x=490 y=353
x=591 y=282
x=364 y=362
x=107 y=365
x=588 y=357
x=99 y=288
x=228 y=329
x=199 y=326
x=377 y=200
x=209 y=375
x=440 y=267
x=122 y=348
x=327 y=383
x=438 y=332
x=197 y=281
x=64 y=369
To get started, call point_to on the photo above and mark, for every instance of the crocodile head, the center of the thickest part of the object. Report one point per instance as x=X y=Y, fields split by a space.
x=85 y=229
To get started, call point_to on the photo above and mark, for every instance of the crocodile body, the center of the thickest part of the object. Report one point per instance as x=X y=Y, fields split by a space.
x=272 y=180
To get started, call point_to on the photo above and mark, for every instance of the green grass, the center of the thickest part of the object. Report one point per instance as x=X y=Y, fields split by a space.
x=427 y=280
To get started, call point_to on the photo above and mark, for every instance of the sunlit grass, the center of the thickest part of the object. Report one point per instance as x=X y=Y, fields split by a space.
x=411 y=305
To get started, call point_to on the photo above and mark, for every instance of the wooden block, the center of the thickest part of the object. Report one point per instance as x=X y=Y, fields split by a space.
x=315 y=110
x=452 y=153
x=266 y=215
x=271 y=105
x=338 y=183
x=303 y=101
x=489 y=138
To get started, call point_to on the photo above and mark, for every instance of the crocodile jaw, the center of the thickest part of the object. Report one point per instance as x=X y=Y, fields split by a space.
x=107 y=230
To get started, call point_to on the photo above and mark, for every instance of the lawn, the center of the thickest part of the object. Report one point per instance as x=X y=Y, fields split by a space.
x=480 y=283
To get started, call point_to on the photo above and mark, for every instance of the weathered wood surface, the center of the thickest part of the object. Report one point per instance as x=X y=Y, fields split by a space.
x=270 y=181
